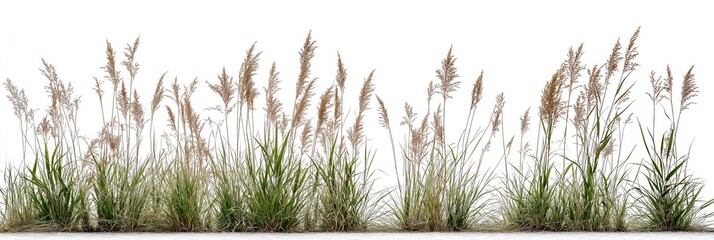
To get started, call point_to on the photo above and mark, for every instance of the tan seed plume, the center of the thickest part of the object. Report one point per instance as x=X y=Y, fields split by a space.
x=158 y=94
x=273 y=106
x=477 y=90
x=447 y=75
x=689 y=90
x=383 y=116
x=224 y=88
x=551 y=106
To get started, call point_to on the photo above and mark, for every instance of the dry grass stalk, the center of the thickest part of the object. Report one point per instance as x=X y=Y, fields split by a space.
x=497 y=111
x=130 y=54
x=62 y=111
x=306 y=55
x=171 y=119
x=477 y=91
x=594 y=89
x=305 y=137
x=689 y=90
x=525 y=121
x=579 y=120
x=123 y=100
x=574 y=66
x=158 y=95
x=430 y=91
x=273 y=106
x=24 y=114
x=341 y=77
x=631 y=53
x=447 y=75
x=613 y=61
x=336 y=121
x=418 y=142
x=137 y=113
x=323 y=111
x=551 y=107
x=246 y=85
x=356 y=134
x=110 y=68
x=303 y=88
x=657 y=88
x=18 y=99
x=225 y=89
x=438 y=127
x=668 y=82
x=98 y=90
x=302 y=105
x=383 y=116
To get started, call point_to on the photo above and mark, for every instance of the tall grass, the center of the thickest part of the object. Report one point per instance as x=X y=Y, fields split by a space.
x=232 y=169
x=442 y=186
x=56 y=192
x=670 y=194
x=184 y=206
x=276 y=184
x=589 y=191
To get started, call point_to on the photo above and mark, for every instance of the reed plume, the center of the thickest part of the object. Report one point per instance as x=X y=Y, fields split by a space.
x=273 y=106
x=246 y=86
x=356 y=134
x=551 y=107
x=476 y=92
x=689 y=90
x=224 y=89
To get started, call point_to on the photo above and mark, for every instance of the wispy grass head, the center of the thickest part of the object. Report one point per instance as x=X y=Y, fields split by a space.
x=355 y=134
x=130 y=54
x=306 y=55
x=110 y=68
x=574 y=66
x=273 y=106
x=631 y=53
x=246 y=86
x=551 y=106
x=341 y=76
x=689 y=90
x=158 y=94
x=447 y=75
x=383 y=116
x=497 y=111
x=225 y=89
x=477 y=91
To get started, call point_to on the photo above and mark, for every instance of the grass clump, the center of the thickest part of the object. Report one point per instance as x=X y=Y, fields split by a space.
x=670 y=194
x=292 y=171
x=588 y=191
x=439 y=188
x=276 y=185
x=56 y=193
x=184 y=205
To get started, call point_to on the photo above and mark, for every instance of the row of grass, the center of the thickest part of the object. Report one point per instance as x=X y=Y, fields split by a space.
x=286 y=172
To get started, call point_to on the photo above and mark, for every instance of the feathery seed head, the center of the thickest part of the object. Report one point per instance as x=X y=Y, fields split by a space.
x=383 y=116
x=447 y=74
x=551 y=105
x=341 y=77
x=273 y=105
x=689 y=90
x=477 y=90
x=525 y=121
x=497 y=111
x=158 y=94
x=631 y=53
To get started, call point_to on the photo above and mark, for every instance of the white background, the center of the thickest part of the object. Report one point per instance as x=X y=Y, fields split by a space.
x=518 y=44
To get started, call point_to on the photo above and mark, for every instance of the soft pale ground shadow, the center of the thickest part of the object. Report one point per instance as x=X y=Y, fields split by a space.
x=350 y=236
